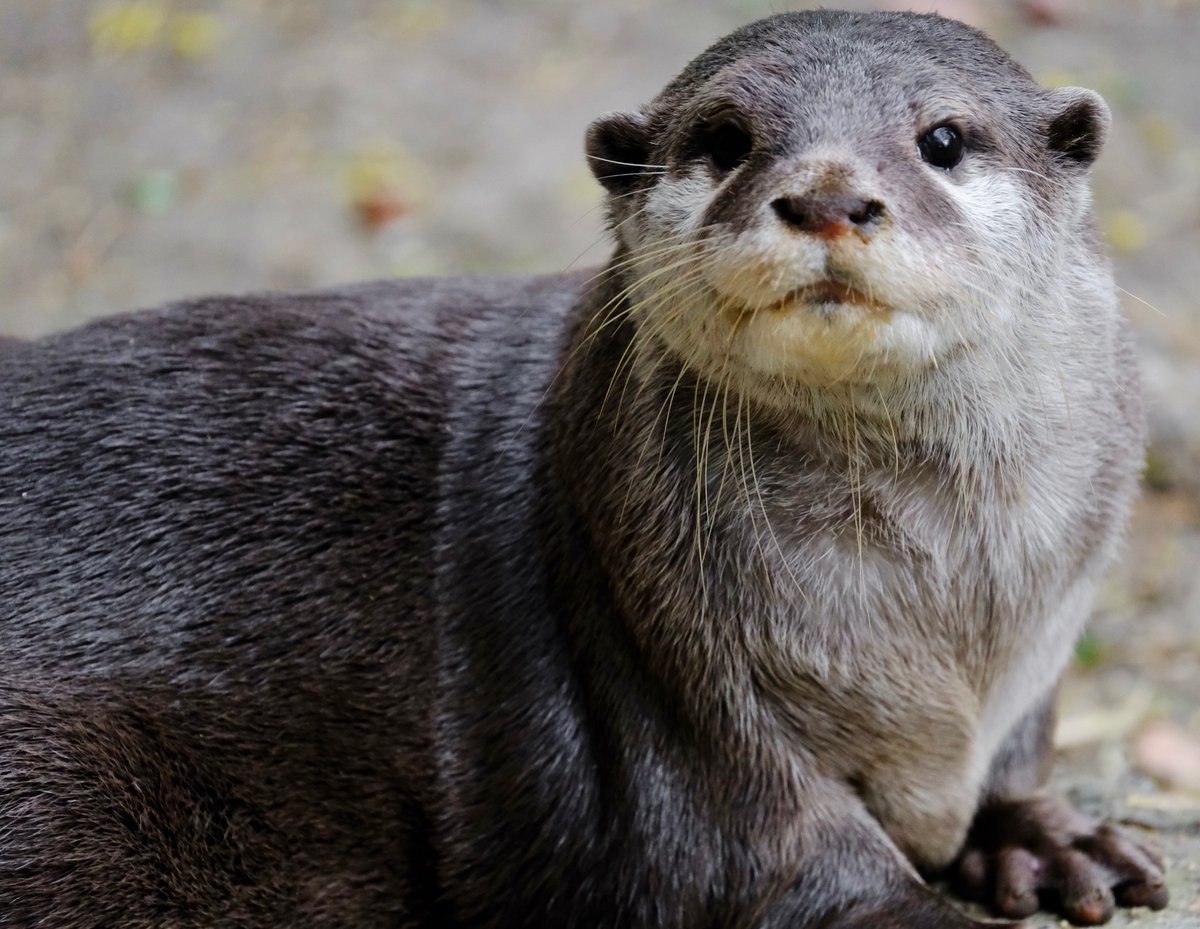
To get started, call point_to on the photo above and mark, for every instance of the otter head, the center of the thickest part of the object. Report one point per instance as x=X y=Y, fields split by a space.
x=830 y=197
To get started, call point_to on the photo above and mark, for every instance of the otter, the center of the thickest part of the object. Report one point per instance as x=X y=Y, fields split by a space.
x=726 y=586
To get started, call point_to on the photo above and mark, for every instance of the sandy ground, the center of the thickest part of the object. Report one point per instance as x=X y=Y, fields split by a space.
x=153 y=150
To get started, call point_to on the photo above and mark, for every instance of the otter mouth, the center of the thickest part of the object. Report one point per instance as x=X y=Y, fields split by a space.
x=826 y=296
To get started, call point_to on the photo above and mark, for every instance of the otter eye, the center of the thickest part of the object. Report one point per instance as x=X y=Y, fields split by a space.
x=942 y=146
x=726 y=144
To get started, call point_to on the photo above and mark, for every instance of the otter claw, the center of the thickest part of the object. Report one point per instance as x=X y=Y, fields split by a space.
x=1025 y=852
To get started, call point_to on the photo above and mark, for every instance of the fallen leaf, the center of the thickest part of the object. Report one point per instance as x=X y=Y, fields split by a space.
x=121 y=28
x=1047 y=12
x=154 y=192
x=194 y=36
x=1160 y=133
x=382 y=184
x=1089 y=652
x=1105 y=724
x=1126 y=231
x=1170 y=754
x=419 y=19
x=1163 y=803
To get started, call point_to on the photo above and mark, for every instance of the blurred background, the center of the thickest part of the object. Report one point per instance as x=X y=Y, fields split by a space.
x=157 y=149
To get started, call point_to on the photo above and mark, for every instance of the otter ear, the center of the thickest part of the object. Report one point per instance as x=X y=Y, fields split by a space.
x=1078 y=125
x=617 y=147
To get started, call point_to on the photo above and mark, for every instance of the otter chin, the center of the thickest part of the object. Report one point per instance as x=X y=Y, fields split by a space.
x=729 y=586
x=822 y=333
x=827 y=296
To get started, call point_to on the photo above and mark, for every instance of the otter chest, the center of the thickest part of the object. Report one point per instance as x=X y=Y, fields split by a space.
x=929 y=627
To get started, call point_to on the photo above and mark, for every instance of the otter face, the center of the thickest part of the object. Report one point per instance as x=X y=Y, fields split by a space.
x=831 y=197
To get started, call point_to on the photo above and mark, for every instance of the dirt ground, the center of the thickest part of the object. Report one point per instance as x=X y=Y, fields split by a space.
x=152 y=150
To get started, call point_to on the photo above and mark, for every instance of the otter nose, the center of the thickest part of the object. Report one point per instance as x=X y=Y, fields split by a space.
x=829 y=215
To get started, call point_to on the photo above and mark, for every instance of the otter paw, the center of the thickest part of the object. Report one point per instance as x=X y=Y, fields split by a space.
x=1023 y=853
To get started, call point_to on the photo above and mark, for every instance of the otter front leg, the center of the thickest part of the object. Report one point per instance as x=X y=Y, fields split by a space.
x=904 y=904
x=1025 y=847
x=911 y=906
x=857 y=878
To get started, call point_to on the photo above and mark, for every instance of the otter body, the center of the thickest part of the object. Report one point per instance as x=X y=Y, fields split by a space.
x=728 y=586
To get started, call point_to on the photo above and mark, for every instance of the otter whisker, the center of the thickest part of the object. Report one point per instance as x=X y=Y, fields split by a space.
x=627 y=164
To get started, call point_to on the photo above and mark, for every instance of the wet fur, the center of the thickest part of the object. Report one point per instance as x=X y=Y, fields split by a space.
x=466 y=602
